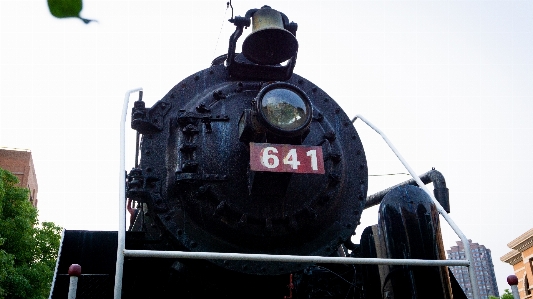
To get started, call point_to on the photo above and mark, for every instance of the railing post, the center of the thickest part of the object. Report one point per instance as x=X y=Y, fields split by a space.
x=512 y=280
x=74 y=271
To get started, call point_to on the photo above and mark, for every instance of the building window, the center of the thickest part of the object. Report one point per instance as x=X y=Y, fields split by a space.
x=526 y=286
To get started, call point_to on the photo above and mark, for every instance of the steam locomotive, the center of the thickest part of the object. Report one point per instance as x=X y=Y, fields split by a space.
x=248 y=157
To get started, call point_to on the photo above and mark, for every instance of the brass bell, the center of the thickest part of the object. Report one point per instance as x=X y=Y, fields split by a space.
x=269 y=43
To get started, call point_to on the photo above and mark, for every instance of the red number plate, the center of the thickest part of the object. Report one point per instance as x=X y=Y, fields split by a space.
x=286 y=158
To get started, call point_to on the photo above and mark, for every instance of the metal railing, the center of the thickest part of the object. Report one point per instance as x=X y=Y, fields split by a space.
x=122 y=251
x=442 y=212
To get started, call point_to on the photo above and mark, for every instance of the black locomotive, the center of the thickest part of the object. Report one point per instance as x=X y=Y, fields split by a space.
x=247 y=157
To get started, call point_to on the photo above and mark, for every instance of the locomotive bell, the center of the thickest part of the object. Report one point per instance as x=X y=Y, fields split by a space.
x=269 y=43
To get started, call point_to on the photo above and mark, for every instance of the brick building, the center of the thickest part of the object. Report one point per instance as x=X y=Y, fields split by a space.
x=20 y=163
x=483 y=266
x=521 y=258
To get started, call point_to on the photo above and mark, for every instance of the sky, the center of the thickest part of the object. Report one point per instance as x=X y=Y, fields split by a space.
x=449 y=82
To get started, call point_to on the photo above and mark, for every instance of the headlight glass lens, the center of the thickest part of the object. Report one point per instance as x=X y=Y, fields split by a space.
x=284 y=109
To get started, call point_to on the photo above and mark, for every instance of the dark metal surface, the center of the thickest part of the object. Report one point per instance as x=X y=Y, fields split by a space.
x=433 y=176
x=409 y=228
x=95 y=252
x=371 y=280
x=199 y=186
x=240 y=67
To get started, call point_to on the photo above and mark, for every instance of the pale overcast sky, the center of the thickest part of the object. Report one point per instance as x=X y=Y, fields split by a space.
x=450 y=82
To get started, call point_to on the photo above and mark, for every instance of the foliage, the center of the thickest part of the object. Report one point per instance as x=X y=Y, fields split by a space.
x=28 y=252
x=506 y=295
x=67 y=9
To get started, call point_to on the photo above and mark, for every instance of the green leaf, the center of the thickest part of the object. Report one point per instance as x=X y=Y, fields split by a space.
x=67 y=9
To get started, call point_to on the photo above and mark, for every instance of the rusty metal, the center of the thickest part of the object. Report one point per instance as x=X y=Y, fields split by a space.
x=238 y=66
x=269 y=43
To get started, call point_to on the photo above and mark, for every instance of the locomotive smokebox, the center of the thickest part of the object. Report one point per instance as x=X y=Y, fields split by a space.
x=250 y=158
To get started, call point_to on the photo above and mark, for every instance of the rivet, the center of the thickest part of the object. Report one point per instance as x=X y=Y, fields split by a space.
x=202 y=189
x=268 y=223
x=244 y=219
x=293 y=224
x=196 y=78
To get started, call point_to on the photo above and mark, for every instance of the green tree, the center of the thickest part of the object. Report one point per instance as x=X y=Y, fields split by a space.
x=28 y=251
x=506 y=295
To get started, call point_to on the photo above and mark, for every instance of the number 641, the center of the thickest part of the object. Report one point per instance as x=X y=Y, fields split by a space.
x=269 y=159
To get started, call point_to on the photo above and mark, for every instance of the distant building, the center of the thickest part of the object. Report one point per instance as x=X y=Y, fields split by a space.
x=521 y=258
x=20 y=163
x=486 y=278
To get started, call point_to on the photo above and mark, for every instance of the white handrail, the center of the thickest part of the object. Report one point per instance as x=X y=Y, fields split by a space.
x=290 y=258
x=122 y=252
x=119 y=268
x=466 y=243
x=57 y=263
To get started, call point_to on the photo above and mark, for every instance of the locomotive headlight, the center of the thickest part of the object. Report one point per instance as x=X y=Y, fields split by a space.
x=284 y=109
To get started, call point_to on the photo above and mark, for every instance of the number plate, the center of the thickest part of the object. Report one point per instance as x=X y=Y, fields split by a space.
x=286 y=158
